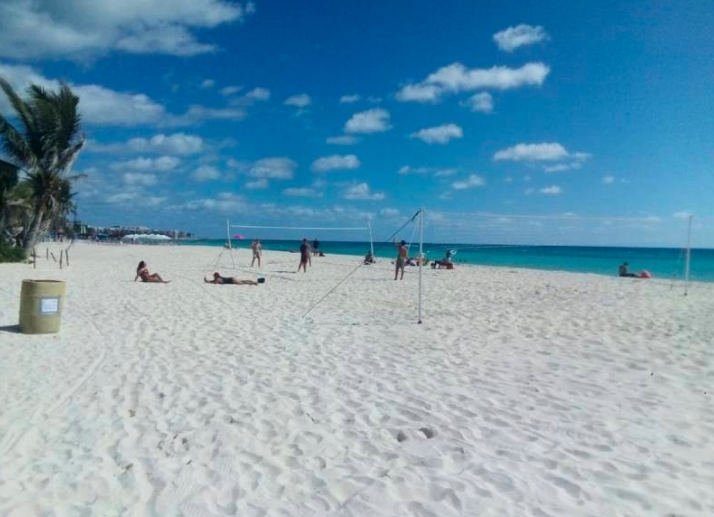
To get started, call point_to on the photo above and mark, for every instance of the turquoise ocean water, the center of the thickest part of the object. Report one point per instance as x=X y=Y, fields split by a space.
x=666 y=263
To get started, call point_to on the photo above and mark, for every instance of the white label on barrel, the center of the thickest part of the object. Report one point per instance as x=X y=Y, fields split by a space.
x=49 y=305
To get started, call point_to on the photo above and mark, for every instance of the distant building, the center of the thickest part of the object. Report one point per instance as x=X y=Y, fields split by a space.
x=116 y=232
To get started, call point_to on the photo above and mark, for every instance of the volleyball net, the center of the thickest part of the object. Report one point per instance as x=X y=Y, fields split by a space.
x=566 y=242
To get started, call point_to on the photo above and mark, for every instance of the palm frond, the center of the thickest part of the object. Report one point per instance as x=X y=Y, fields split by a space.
x=15 y=146
x=68 y=130
x=20 y=106
x=8 y=175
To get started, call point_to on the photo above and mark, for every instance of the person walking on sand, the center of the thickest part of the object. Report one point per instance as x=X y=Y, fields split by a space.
x=401 y=259
x=304 y=255
x=143 y=272
x=257 y=252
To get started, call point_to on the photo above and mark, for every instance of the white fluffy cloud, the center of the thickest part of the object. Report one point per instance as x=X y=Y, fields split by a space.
x=136 y=198
x=362 y=191
x=553 y=190
x=407 y=170
x=375 y=120
x=574 y=161
x=255 y=95
x=519 y=36
x=162 y=164
x=342 y=140
x=683 y=214
x=230 y=90
x=79 y=28
x=134 y=178
x=419 y=93
x=197 y=113
x=457 y=78
x=474 y=180
x=480 y=102
x=208 y=83
x=175 y=144
x=225 y=202
x=389 y=212
x=172 y=40
x=544 y=152
x=206 y=173
x=258 y=94
x=608 y=179
x=302 y=100
x=561 y=167
x=532 y=152
x=301 y=192
x=104 y=107
x=349 y=99
x=335 y=162
x=273 y=168
x=259 y=184
x=439 y=134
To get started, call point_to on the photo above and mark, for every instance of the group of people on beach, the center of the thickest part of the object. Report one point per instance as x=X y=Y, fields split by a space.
x=142 y=272
x=306 y=251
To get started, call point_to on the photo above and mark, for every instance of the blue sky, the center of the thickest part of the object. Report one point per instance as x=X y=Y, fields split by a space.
x=529 y=122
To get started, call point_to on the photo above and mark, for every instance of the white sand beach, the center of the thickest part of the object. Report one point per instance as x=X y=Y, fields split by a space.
x=523 y=393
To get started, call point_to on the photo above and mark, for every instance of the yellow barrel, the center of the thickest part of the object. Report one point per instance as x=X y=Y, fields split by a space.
x=41 y=304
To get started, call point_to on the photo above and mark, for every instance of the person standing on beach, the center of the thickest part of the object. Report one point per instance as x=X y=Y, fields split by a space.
x=401 y=259
x=315 y=245
x=257 y=252
x=304 y=255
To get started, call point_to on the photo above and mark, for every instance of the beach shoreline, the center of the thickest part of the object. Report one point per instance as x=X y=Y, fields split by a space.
x=662 y=263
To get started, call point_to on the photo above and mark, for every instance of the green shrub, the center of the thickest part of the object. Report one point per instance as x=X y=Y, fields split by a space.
x=8 y=254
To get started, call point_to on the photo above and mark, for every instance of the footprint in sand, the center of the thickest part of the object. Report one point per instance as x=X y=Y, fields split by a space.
x=426 y=432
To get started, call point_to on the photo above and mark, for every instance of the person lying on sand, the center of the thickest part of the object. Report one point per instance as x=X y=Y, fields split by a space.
x=218 y=279
x=143 y=272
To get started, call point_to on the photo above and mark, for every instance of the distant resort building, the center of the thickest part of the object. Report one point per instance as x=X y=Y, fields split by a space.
x=116 y=233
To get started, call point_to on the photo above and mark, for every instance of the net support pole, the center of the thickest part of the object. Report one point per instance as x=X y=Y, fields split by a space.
x=371 y=240
x=421 y=260
x=688 y=256
x=230 y=243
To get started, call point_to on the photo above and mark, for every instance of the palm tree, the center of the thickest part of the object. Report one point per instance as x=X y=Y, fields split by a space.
x=63 y=207
x=8 y=206
x=44 y=147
